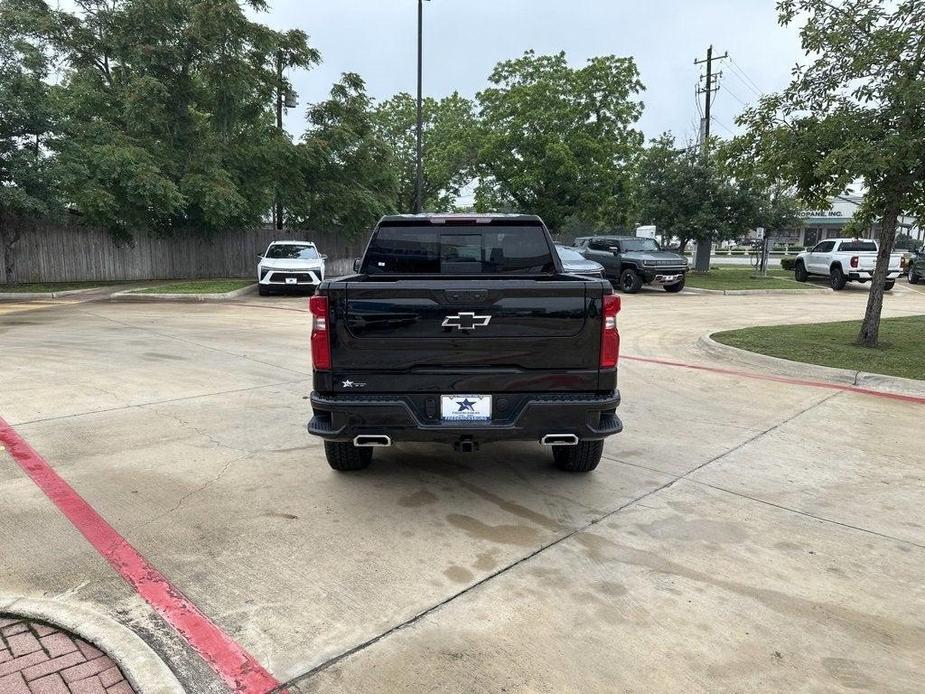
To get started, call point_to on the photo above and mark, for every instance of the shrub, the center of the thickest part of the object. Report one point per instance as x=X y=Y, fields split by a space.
x=788 y=263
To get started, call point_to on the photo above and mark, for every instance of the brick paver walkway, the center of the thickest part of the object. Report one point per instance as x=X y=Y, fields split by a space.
x=39 y=659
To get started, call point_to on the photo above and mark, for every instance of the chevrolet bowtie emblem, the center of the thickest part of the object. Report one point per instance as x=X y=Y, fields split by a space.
x=466 y=321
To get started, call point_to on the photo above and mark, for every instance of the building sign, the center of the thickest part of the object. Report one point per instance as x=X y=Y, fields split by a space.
x=820 y=213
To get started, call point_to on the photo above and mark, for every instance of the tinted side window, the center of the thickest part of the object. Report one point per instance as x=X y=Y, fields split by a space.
x=602 y=244
x=824 y=247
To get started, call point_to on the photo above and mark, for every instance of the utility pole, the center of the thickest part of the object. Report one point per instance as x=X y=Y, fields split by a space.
x=419 y=175
x=708 y=90
x=278 y=206
x=705 y=247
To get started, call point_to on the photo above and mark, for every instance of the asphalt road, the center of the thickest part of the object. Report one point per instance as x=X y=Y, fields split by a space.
x=741 y=534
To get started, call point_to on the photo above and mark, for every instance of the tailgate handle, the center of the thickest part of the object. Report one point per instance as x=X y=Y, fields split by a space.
x=465 y=296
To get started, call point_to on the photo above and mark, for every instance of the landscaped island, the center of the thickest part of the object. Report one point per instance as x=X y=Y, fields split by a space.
x=901 y=351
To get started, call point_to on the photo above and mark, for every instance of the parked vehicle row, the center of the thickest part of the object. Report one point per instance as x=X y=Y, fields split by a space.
x=843 y=261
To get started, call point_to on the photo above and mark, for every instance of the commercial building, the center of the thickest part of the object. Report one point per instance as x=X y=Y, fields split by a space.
x=820 y=224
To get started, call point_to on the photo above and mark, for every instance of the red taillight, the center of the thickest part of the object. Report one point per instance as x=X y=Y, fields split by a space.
x=610 y=338
x=854 y=261
x=321 y=343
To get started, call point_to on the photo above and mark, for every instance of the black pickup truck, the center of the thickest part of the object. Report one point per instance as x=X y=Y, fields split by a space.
x=464 y=330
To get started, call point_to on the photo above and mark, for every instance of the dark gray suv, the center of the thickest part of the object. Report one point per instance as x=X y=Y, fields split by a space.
x=631 y=261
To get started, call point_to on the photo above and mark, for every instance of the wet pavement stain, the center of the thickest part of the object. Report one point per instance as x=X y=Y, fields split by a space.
x=521 y=535
x=848 y=673
x=677 y=527
x=458 y=574
x=869 y=627
x=422 y=497
x=158 y=356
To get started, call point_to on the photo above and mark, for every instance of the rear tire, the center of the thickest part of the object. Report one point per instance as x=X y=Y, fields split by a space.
x=837 y=278
x=630 y=281
x=581 y=458
x=799 y=272
x=674 y=288
x=913 y=278
x=343 y=456
x=888 y=285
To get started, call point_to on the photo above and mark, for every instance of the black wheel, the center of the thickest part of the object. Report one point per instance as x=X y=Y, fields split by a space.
x=799 y=272
x=676 y=287
x=343 y=455
x=888 y=285
x=581 y=458
x=630 y=281
x=913 y=278
x=837 y=278
x=263 y=290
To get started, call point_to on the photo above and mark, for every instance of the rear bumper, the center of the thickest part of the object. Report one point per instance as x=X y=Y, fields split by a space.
x=865 y=275
x=517 y=417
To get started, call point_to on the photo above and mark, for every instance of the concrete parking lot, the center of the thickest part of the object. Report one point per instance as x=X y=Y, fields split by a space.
x=742 y=534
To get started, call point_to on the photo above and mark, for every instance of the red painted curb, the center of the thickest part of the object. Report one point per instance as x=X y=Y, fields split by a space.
x=230 y=661
x=783 y=379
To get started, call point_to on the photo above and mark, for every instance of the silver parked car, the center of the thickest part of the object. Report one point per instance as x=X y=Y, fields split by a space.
x=575 y=263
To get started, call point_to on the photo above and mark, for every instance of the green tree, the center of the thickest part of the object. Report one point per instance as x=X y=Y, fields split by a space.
x=347 y=176
x=856 y=110
x=688 y=193
x=559 y=141
x=167 y=111
x=27 y=171
x=448 y=146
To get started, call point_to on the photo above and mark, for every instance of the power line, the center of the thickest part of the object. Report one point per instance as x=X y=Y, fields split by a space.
x=723 y=125
x=753 y=85
x=735 y=96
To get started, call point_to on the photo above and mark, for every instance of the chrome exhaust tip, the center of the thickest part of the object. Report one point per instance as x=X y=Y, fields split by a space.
x=559 y=440
x=379 y=440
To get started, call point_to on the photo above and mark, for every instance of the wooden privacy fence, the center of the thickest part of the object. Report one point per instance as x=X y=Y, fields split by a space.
x=51 y=251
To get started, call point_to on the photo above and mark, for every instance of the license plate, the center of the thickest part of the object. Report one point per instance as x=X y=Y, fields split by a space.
x=465 y=408
x=291 y=280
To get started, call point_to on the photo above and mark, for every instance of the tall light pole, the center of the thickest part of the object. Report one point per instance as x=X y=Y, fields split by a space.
x=419 y=177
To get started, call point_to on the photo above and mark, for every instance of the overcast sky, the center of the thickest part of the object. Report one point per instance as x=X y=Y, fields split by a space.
x=463 y=39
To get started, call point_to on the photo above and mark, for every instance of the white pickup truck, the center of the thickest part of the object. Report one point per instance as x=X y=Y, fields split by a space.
x=843 y=261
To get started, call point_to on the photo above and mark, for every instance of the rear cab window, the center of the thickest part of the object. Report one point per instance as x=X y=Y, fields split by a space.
x=858 y=246
x=459 y=249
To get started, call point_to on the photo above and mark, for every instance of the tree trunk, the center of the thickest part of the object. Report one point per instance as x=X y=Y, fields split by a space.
x=870 y=328
x=683 y=245
x=9 y=237
x=702 y=259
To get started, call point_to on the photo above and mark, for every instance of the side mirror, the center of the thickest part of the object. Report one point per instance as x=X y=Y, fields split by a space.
x=356 y=264
x=260 y=256
x=324 y=257
x=614 y=249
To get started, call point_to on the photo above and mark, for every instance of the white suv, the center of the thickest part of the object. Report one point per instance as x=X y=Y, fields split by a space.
x=290 y=264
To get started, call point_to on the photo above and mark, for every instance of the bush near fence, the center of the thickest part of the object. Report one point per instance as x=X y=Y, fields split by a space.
x=55 y=251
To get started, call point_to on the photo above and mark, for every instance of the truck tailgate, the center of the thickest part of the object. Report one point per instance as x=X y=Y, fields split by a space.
x=521 y=324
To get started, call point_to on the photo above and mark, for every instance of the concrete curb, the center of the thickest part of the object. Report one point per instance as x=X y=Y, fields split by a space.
x=739 y=292
x=139 y=663
x=48 y=295
x=134 y=295
x=797 y=369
